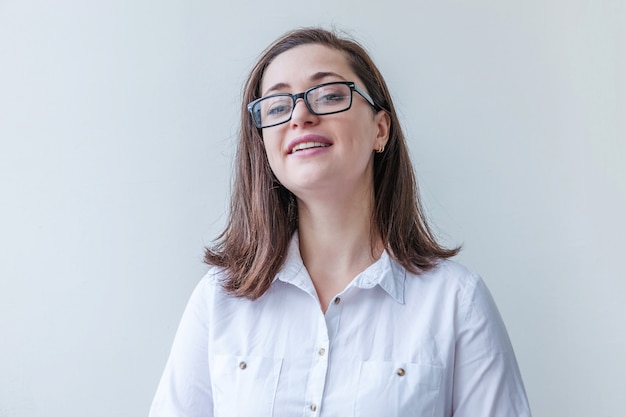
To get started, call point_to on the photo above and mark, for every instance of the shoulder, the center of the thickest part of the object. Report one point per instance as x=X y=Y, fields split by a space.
x=210 y=281
x=214 y=276
x=447 y=275
x=452 y=270
x=474 y=303
x=450 y=285
x=210 y=287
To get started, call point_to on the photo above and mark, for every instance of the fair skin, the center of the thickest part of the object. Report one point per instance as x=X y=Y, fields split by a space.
x=333 y=183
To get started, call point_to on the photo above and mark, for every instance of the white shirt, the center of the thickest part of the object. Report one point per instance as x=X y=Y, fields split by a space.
x=391 y=344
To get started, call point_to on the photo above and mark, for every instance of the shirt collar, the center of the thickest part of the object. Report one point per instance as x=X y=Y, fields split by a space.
x=293 y=270
x=385 y=272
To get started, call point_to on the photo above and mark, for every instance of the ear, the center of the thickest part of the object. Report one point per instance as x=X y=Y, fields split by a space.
x=383 y=125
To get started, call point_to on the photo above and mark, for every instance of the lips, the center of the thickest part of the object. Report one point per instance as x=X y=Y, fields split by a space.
x=308 y=145
x=308 y=142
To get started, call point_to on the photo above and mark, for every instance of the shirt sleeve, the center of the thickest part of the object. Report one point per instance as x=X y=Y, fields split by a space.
x=487 y=380
x=185 y=386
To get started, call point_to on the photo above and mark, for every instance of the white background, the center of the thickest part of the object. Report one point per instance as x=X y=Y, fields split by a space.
x=117 y=126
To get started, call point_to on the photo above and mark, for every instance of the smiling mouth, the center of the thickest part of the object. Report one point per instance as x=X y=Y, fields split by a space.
x=309 y=145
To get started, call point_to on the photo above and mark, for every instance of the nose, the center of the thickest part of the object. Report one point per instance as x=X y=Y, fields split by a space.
x=301 y=115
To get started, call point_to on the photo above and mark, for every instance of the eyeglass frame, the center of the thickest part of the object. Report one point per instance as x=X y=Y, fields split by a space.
x=294 y=97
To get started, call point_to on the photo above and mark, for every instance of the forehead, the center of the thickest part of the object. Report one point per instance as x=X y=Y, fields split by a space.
x=298 y=67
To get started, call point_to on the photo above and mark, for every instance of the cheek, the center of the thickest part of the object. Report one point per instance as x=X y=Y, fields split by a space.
x=272 y=151
x=364 y=137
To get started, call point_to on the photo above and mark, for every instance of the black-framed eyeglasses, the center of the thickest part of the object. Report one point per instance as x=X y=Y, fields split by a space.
x=327 y=98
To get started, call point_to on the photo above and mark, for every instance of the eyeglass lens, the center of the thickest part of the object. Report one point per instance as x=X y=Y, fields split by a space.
x=325 y=99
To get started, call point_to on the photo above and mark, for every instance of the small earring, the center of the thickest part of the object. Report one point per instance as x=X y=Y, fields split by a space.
x=381 y=149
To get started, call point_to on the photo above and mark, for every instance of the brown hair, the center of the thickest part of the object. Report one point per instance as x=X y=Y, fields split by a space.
x=264 y=214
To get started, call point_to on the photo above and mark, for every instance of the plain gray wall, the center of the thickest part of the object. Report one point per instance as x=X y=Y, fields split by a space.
x=117 y=125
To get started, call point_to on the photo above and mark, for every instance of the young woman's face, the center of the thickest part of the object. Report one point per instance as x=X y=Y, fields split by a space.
x=337 y=149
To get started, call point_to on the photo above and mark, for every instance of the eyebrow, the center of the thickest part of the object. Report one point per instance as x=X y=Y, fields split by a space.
x=315 y=77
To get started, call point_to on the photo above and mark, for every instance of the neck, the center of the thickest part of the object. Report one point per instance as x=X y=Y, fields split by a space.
x=336 y=241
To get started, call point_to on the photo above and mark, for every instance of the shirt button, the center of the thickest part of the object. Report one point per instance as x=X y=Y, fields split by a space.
x=243 y=365
x=313 y=407
x=337 y=300
x=401 y=372
x=322 y=351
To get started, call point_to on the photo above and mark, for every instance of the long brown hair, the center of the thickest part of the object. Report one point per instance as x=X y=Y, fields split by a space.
x=264 y=214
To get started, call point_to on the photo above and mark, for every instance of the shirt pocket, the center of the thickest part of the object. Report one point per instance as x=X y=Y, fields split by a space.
x=244 y=386
x=397 y=389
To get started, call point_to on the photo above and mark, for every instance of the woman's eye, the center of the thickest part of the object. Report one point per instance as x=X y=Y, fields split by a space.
x=333 y=97
x=277 y=110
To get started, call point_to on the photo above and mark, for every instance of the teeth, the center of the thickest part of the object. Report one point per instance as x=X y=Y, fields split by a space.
x=307 y=145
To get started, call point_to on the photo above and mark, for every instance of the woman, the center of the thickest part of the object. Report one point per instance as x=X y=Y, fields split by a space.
x=329 y=294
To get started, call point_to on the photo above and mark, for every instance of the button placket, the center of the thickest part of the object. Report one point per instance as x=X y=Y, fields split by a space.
x=333 y=315
x=319 y=369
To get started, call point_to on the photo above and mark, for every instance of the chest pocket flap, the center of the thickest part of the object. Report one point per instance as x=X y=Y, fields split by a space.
x=397 y=389
x=244 y=386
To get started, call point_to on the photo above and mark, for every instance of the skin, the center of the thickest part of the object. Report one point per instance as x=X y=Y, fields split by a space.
x=334 y=183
